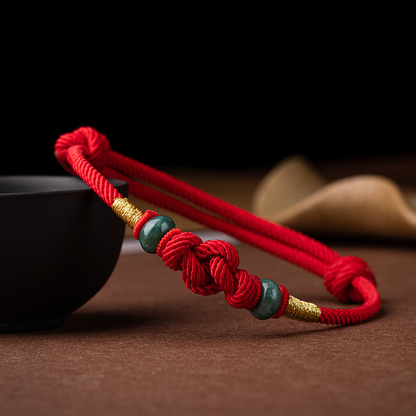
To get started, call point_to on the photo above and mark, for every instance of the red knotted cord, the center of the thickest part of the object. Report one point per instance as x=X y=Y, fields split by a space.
x=209 y=267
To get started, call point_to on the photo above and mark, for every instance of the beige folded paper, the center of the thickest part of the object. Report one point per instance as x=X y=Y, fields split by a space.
x=295 y=194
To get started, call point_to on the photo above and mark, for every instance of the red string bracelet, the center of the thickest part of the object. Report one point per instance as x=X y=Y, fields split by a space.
x=212 y=266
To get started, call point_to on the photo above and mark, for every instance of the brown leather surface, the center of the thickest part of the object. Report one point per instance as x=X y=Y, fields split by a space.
x=146 y=345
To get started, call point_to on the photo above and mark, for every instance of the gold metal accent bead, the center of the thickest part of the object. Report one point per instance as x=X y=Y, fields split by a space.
x=301 y=310
x=127 y=211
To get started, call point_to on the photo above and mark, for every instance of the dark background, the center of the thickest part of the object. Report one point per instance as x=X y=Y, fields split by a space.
x=235 y=117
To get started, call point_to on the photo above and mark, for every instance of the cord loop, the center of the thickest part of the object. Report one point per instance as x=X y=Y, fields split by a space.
x=210 y=267
x=340 y=275
x=95 y=147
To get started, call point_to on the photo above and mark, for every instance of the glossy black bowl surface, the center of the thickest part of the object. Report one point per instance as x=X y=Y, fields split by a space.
x=59 y=244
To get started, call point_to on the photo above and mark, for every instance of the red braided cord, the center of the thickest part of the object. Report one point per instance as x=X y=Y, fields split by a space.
x=79 y=151
x=231 y=213
x=210 y=267
x=286 y=251
x=283 y=303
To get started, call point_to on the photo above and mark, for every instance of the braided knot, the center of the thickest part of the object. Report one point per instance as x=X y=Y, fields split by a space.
x=339 y=278
x=95 y=147
x=210 y=267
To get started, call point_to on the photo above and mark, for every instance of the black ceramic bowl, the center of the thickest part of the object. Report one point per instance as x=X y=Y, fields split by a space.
x=59 y=244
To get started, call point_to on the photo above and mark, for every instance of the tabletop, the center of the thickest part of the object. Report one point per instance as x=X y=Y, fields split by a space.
x=146 y=345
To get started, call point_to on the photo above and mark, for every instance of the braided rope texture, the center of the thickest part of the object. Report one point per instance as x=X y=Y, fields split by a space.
x=209 y=268
x=212 y=266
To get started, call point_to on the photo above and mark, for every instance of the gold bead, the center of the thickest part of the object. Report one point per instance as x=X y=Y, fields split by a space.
x=301 y=310
x=127 y=211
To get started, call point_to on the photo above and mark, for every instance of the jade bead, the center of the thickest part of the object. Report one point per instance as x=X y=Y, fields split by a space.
x=269 y=302
x=153 y=231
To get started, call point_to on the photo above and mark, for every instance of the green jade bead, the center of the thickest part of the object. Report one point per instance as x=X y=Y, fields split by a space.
x=269 y=302
x=153 y=231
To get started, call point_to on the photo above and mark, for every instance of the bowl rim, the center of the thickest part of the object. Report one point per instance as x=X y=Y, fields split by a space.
x=77 y=181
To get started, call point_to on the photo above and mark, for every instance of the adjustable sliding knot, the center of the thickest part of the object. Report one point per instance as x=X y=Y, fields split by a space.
x=94 y=146
x=340 y=276
x=210 y=267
